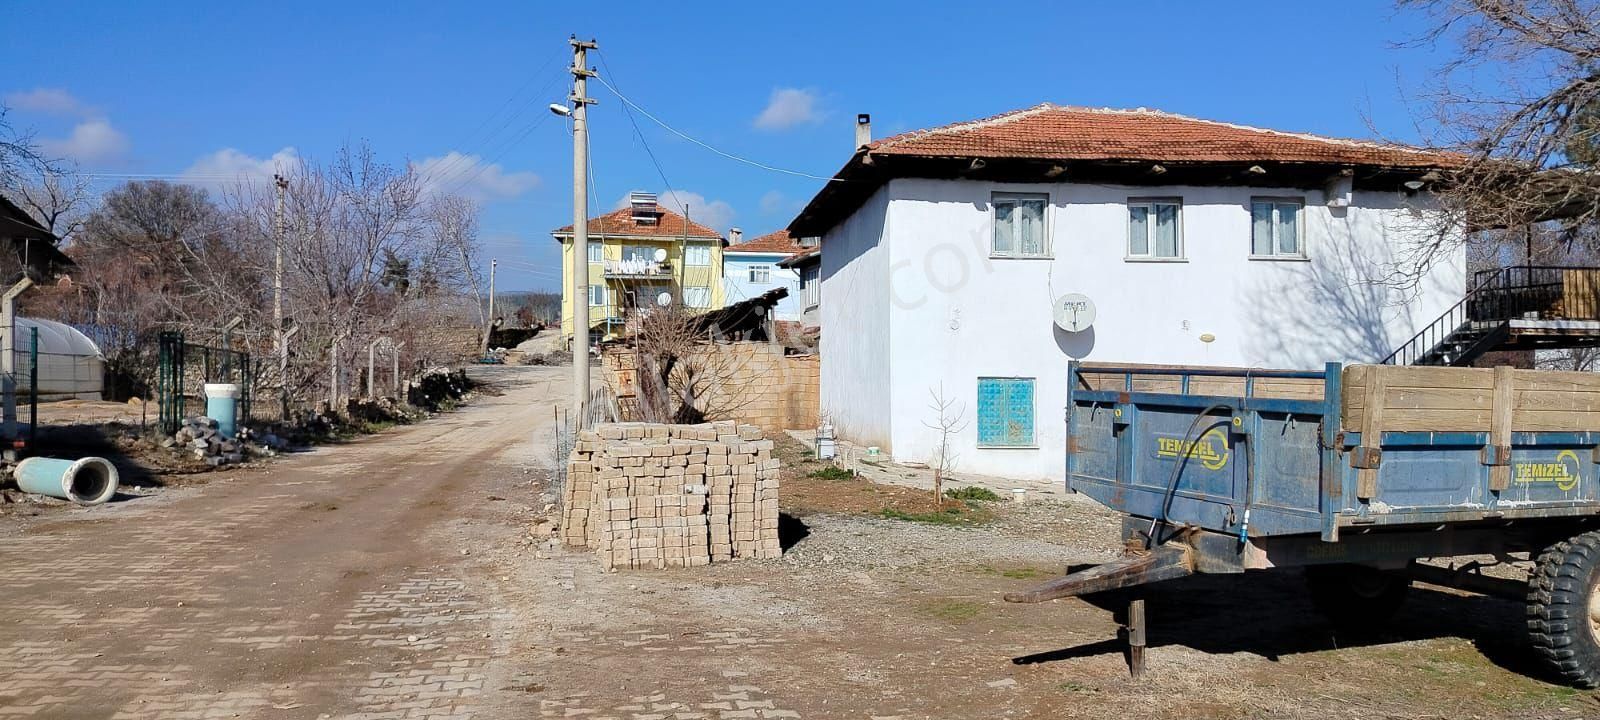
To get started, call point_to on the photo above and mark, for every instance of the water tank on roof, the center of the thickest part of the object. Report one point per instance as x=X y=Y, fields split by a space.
x=70 y=364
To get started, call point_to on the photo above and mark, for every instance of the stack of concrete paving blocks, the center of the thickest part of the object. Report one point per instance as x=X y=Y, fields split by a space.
x=653 y=496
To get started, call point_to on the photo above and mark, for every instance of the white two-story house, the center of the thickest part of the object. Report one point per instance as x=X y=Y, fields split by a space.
x=1198 y=242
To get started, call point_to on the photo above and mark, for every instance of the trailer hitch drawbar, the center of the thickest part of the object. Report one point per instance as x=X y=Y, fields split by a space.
x=1166 y=562
x=1139 y=567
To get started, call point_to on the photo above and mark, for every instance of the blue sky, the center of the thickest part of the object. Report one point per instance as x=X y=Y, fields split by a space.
x=210 y=88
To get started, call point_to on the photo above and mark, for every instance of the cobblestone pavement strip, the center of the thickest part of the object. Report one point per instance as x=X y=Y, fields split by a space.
x=313 y=588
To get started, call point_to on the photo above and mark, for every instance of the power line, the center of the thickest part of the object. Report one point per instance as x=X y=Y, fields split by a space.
x=692 y=139
x=637 y=132
x=473 y=139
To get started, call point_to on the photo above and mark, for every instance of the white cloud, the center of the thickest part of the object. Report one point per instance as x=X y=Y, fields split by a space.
x=789 y=107
x=91 y=141
x=773 y=202
x=228 y=165
x=469 y=175
x=54 y=101
x=715 y=214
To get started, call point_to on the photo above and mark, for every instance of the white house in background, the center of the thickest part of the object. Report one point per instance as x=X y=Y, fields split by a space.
x=751 y=268
x=1199 y=242
x=808 y=265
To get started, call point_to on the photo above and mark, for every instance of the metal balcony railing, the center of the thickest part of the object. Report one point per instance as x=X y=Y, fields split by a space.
x=1536 y=292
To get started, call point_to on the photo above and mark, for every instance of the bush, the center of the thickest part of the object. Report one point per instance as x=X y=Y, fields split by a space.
x=832 y=472
x=972 y=493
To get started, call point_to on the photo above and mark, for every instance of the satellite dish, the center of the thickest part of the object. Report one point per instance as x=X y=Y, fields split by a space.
x=661 y=256
x=664 y=299
x=1074 y=312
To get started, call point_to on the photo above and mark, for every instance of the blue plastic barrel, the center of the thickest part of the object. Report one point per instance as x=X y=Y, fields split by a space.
x=222 y=405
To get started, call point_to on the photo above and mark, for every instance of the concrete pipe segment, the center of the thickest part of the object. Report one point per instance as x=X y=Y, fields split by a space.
x=89 y=481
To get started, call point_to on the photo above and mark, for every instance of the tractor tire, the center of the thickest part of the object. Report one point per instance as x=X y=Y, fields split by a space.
x=1356 y=598
x=1564 y=609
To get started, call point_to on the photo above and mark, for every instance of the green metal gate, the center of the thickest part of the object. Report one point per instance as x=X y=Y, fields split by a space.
x=185 y=367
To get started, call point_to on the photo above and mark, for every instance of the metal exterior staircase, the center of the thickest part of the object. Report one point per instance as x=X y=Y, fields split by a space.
x=1524 y=307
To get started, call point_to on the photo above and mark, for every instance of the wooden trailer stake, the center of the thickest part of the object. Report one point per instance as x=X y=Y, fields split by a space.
x=1368 y=456
x=1136 y=639
x=1498 y=454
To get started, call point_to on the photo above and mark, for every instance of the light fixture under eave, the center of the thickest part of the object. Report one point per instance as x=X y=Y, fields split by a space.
x=1055 y=171
x=977 y=164
x=1256 y=170
x=1414 y=184
x=1157 y=169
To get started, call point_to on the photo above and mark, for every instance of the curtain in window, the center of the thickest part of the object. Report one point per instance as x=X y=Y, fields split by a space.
x=697 y=297
x=595 y=253
x=1004 y=211
x=697 y=255
x=1261 y=228
x=1166 y=235
x=1289 y=229
x=1138 y=230
x=1030 y=227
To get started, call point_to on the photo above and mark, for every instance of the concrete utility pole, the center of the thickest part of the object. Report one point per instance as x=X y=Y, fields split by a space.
x=395 y=361
x=580 y=227
x=372 y=367
x=488 y=328
x=8 y=363
x=283 y=368
x=280 y=342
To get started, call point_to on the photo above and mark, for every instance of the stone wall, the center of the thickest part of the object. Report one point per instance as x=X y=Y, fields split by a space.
x=654 y=496
x=757 y=384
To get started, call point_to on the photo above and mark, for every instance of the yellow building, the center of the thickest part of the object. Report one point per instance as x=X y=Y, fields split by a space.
x=635 y=255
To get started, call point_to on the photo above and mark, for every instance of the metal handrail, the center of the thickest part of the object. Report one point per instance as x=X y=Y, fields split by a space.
x=1498 y=295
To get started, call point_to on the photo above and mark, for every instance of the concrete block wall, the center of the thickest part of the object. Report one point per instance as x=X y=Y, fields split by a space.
x=758 y=384
x=654 y=496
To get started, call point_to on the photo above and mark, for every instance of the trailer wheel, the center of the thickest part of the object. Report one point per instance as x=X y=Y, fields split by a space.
x=1356 y=597
x=1564 y=609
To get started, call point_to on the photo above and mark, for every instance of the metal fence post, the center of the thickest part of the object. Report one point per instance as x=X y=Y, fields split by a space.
x=33 y=388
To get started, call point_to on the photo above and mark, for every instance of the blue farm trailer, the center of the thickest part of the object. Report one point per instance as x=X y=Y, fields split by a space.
x=1353 y=474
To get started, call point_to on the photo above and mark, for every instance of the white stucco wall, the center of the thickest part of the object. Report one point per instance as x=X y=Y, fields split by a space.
x=737 y=285
x=855 y=310
x=954 y=314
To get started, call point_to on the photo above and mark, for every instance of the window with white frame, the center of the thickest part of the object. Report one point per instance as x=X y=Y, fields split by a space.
x=698 y=255
x=811 y=286
x=596 y=252
x=1019 y=226
x=1277 y=228
x=639 y=253
x=760 y=273
x=697 y=297
x=1155 y=229
x=597 y=296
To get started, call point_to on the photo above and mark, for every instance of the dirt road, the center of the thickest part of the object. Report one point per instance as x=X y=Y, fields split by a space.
x=395 y=577
x=327 y=584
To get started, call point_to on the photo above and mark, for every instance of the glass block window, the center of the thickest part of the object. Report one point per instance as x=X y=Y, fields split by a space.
x=1005 y=412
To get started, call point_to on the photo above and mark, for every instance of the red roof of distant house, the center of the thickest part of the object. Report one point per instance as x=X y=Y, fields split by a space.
x=776 y=243
x=668 y=224
x=1056 y=132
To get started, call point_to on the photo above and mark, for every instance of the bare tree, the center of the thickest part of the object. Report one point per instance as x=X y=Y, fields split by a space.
x=949 y=418
x=58 y=201
x=19 y=155
x=686 y=374
x=1520 y=103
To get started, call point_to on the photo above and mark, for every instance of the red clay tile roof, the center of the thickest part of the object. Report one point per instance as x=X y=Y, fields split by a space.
x=773 y=242
x=1055 y=132
x=621 y=222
